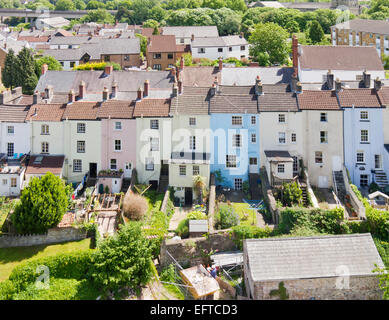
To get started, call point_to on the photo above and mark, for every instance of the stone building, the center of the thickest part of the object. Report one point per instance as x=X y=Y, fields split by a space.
x=337 y=267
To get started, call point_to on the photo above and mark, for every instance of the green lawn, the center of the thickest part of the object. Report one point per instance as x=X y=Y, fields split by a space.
x=247 y=216
x=11 y=257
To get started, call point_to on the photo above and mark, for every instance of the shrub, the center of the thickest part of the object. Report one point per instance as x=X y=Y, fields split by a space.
x=373 y=187
x=42 y=205
x=159 y=225
x=290 y=194
x=134 y=206
x=97 y=66
x=227 y=217
x=123 y=259
x=249 y=232
x=183 y=227
x=7 y=290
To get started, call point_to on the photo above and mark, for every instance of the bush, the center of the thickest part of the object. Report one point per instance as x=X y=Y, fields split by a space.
x=290 y=194
x=134 y=206
x=42 y=205
x=373 y=187
x=226 y=217
x=183 y=227
x=249 y=232
x=73 y=265
x=157 y=229
x=7 y=290
x=97 y=66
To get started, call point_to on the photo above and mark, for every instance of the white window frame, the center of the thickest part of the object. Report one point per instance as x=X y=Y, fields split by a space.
x=154 y=144
x=149 y=164
x=231 y=161
x=118 y=125
x=81 y=127
x=253 y=138
x=236 y=120
x=192 y=121
x=364 y=136
x=293 y=137
x=281 y=137
x=317 y=157
x=281 y=168
x=237 y=140
x=45 y=130
x=14 y=182
x=192 y=143
x=361 y=156
x=80 y=146
x=238 y=183
x=324 y=139
x=45 y=147
x=77 y=165
x=196 y=170
x=324 y=116
x=10 y=130
x=182 y=170
x=364 y=115
x=253 y=120
x=113 y=164
x=117 y=142
x=281 y=118
x=154 y=124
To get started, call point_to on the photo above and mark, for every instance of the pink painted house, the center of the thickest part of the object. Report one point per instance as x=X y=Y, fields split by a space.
x=118 y=141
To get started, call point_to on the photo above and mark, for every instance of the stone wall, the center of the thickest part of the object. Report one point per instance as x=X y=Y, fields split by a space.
x=268 y=196
x=189 y=251
x=165 y=201
x=225 y=286
x=55 y=235
x=360 y=288
x=211 y=208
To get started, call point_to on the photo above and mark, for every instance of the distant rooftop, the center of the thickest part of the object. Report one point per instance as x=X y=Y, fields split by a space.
x=364 y=25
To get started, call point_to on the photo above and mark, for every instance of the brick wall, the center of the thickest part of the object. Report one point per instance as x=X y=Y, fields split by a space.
x=360 y=288
x=55 y=235
x=164 y=61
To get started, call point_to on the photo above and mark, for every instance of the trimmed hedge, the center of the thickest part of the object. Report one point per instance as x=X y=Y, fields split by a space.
x=73 y=265
x=239 y=233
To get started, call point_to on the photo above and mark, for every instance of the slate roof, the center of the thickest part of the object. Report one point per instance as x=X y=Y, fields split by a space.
x=278 y=155
x=236 y=90
x=95 y=81
x=277 y=102
x=233 y=104
x=364 y=25
x=160 y=43
x=340 y=58
x=318 y=100
x=116 y=109
x=81 y=110
x=200 y=76
x=152 y=108
x=57 y=40
x=13 y=113
x=245 y=76
x=191 y=101
x=359 y=98
x=187 y=31
x=53 y=164
x=46 y=112
x=311 y=257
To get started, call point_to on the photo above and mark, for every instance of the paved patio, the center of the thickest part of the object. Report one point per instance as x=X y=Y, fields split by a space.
x=179 y=214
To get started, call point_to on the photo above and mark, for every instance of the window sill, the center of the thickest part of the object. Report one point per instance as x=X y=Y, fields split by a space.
x=364 y=120
x=364 y=142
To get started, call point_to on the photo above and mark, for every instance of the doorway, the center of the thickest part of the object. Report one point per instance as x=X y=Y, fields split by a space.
x=188 y=197
x=92 y=169
x=253 y=165
x=128 y=170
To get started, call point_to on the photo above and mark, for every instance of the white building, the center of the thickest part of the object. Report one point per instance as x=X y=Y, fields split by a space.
x=216 y=47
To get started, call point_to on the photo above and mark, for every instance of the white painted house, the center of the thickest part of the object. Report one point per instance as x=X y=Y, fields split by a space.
x=216 y=47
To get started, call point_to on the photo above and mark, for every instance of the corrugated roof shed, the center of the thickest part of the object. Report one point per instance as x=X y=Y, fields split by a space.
x=311 y=257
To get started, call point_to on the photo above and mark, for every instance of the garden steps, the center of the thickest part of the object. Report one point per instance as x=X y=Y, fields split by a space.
x=125 y=184
x=303 y=188
x=381 y=178
x=163 y=183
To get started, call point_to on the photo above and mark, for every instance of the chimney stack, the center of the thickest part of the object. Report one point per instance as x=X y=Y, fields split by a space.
x=299 y=87
x=220 y=64
x=180 y=87
x=338 y=85
x=48 y=92
x=216 y=83
x=105 y=94
x=330 y=80
x=114 y=89
x=213 y=90
x=377 y=84
x=294 y=81
x=258 y=86
x=81 y=90
x=44 y=69
x=175 y=90
x=295 y=44
x=35 y=97
x=146 y=88
x=192 y=37
x=108 y=70
x=71 y=96
x=139 y=96
x=366 y=79
x=182 y=63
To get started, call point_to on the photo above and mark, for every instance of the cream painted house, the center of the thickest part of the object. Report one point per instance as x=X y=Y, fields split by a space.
x=153 y=136
x=191 y=141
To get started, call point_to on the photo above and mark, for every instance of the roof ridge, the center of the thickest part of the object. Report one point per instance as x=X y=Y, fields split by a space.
x=367 y=234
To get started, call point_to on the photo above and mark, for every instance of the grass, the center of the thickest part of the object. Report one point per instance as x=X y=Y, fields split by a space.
x=174 y=291
x=11 y=257
x=247 y=216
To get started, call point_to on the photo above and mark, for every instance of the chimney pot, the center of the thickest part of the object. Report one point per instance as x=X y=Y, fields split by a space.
x=258 y=86
x=330 y=80
x=108 y=70
x=377 y=84
x=338 y=85
x=220 y=64
x=139 y=96
x=146 y=88
x=105 y=94
x=35 y=97
x=366 y=79
x=82 y=90
x=71 y=96
x=114 y=89
x=299 y=87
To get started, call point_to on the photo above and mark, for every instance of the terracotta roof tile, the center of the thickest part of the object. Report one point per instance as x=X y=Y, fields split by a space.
x=359 y=98
x=13 y=113
x=318 y=100
x=383 y=94
x=152 y=108
x=200 y=76
x=81 y=111
x=278 y=102
x=46 y=112
x=116 y=109
x=159 y=43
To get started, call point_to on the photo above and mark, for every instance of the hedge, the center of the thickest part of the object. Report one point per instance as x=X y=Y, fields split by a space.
x=239 y=233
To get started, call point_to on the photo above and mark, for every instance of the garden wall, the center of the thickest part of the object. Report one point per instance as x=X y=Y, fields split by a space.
x=165 y=200
x=54 y=235
x=189 y=251
x=268 y=196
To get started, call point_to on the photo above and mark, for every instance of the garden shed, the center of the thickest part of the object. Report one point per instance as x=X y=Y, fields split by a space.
x=198 y=227
x=338 y=267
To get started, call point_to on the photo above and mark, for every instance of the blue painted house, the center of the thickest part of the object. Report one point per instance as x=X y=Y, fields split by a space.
x=363 y=136
x=235 y=127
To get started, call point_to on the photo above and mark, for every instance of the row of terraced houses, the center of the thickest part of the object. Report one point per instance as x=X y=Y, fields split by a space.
x=172 y=125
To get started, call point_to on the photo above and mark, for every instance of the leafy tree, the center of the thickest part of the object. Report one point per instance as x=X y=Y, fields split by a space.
x=291 y=194
x=123 y=260
x=383 y=277
x=65 y=5
x=42 y=205
x=155 y=31
x=157 y=13
x=51 y=62
x=315 y=32
x=143 y=43
x=227 y=217
x=386 y=62
x=292 y=26
x=25 y=66
x=9 y=73
x=150 y=23
x=40 y=4
x=80 y=4
x=93 y=5
x=226 y=20
x=236 y=5
x=98 y=16
x=269 y=38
